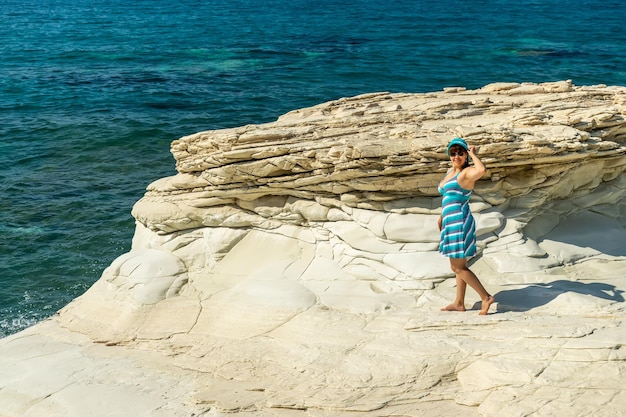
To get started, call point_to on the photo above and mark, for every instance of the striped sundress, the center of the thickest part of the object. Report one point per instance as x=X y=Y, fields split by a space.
x=458 y=229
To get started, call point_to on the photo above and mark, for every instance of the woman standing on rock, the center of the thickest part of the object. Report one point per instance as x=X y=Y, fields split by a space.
x=456 y=223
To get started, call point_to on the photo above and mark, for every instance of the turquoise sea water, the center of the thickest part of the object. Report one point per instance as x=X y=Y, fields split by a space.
x=92 y=92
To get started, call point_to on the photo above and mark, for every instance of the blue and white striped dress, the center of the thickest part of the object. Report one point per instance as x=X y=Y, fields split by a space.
x=458 y=229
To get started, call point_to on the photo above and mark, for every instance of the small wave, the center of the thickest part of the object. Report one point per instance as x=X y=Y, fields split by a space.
x=548 y=52
x=10 y=230
x=16 y=324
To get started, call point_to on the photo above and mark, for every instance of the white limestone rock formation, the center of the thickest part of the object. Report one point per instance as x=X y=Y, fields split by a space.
x=291 y=269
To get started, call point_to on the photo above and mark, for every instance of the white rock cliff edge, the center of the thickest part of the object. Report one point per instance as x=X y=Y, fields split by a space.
x=291 y=269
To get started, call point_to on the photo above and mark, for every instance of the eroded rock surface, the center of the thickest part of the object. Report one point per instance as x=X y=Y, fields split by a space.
x=291 y=269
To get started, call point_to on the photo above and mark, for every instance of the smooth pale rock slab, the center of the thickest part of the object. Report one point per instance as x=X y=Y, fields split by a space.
x=149 y=275
x=257 y=251
x=228 y=396
x=487 y=374
x=583 y=235
x=253 y=307
x=361 y=238
x=59 y=374
x=419 y=265
x=488 y=222
x=411 y=228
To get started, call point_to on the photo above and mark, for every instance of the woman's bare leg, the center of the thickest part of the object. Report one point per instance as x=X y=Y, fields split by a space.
x=464 y=274
x=459 y=301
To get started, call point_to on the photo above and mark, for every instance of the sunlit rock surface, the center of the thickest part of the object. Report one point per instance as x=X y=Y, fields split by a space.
x=291 y=269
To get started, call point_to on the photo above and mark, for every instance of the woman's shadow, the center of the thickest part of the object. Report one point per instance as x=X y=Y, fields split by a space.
x=536 y=295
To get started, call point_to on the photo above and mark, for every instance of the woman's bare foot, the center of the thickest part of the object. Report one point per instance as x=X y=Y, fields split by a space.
x=454 y=307
x=485 y=305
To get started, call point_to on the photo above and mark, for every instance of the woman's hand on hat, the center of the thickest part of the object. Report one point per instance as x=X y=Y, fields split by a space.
x=472 y=150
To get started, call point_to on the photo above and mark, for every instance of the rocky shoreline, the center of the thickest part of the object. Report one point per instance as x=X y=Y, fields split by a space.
x=291 y=269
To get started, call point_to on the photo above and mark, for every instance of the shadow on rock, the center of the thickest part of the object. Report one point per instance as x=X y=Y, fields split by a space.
x=537 y=295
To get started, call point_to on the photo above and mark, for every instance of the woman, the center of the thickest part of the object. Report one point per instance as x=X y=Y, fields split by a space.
x=456 y=223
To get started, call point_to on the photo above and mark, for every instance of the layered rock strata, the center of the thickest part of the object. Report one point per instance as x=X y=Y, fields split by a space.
x=291 y=268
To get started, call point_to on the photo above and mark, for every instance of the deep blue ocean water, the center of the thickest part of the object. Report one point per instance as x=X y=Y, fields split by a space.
x=92 y=92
